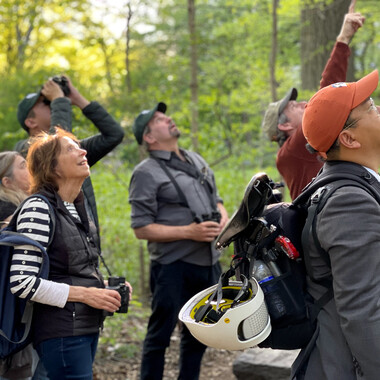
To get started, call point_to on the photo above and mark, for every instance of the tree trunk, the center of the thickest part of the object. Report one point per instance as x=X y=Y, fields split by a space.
x=194 y=79
x=127 y=49
x=273 y=56
x=22 y=35
x=107 y=63
x=320 y=25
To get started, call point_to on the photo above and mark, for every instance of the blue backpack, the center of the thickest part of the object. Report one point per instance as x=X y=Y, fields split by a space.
x=16 y=313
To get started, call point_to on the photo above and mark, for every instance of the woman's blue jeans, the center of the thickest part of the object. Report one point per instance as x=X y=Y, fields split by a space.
x=70 y=357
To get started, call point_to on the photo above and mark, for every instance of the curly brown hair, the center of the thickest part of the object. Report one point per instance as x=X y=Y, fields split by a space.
x=42 y=158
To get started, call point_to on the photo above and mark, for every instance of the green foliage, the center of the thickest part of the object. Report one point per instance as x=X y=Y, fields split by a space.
x=233 y=41
x=42 y=38
x=87 y=41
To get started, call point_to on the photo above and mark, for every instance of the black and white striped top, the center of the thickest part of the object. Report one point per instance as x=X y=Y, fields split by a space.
x=33 y=221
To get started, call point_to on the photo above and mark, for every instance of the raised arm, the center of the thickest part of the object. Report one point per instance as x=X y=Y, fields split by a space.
x=336 y=67
x=111 y=134
x=60 y=106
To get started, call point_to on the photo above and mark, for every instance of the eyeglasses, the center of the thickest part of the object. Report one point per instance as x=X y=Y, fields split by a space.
x=370 y=108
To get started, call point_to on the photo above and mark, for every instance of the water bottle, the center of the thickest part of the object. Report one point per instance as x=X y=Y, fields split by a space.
x=261 y=272
x=263 y=275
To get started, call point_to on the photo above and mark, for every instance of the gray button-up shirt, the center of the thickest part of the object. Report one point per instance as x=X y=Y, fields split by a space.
x=154 y=199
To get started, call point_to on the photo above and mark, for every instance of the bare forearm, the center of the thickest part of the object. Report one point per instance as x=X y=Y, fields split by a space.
x=96 y=297
x=161 y=233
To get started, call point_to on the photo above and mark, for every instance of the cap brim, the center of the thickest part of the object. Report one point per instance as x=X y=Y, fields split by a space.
x=291 y=95
x=144 y=118
x=25 y=106
x=365 y=87
x=160 y=107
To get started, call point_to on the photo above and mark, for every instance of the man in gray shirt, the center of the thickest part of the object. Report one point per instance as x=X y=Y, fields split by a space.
x=177 y=209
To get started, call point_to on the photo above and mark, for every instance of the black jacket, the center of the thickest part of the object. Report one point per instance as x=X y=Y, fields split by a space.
x=97 y=146
x=73 y=256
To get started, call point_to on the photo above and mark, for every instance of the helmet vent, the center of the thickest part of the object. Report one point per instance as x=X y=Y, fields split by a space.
x=254 y=324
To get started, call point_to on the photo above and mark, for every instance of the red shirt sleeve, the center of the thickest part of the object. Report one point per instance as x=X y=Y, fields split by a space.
x=336 y=67
x=296 y=165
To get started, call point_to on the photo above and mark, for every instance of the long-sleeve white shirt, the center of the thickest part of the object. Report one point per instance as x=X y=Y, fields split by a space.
x=34 y=222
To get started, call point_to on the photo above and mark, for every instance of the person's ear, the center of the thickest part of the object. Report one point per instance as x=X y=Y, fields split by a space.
x=6 y=182
x=148 y=138
x=31 y=123
x=347 y=139
x=286 y=127
x=57 y=172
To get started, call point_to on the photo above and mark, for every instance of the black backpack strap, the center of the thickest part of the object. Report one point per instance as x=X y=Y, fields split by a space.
x=303 y=356
x=317 y=202
x=310 y=226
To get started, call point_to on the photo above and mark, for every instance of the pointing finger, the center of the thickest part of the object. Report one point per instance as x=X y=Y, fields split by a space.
x=351 y=8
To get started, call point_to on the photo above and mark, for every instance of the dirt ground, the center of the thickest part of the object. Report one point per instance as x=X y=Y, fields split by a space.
x=111 y=365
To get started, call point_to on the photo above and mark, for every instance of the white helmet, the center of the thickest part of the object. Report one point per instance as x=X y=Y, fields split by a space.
x=232 y=317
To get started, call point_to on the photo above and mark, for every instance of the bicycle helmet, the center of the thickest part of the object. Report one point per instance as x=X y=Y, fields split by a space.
x=232 y=317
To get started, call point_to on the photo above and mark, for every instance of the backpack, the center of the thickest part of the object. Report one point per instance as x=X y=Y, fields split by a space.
x=16 y=313
x=278 y=235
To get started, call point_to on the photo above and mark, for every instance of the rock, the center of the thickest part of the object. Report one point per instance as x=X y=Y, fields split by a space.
x=264 y=364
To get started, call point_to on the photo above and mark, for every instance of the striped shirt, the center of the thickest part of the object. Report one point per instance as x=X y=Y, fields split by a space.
x=34 y=222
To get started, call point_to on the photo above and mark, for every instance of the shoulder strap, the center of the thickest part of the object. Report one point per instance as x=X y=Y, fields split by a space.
x=317 y=202
x=183 y=200
x=323 y=180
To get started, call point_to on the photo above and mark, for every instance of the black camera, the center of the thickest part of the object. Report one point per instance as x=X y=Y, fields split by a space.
x=63 y=83
x=118 y=284
x=213 y=217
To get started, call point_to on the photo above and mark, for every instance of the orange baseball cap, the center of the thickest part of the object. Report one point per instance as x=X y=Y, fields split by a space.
x=328 y=110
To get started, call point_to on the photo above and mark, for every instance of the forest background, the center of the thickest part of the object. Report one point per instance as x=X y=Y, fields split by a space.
x=216 y=63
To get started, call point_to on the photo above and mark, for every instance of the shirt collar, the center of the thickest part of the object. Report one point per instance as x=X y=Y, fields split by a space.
x=165 y=154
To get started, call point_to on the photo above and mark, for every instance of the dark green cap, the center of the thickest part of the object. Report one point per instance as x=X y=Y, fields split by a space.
x=25 y=106
x=143 y=119
x=273 y=112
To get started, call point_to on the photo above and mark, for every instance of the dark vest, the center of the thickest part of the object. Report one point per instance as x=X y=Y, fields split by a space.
x=73 y=255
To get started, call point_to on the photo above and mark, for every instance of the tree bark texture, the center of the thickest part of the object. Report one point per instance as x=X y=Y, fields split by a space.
x=320 y=24
x=127 y=49
x=273 y=56
x=194 y=72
